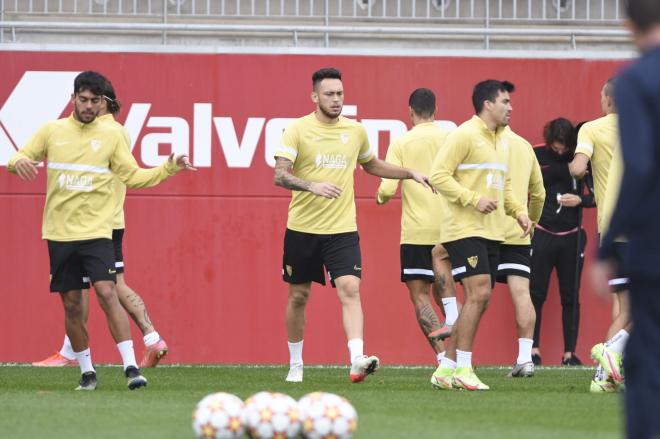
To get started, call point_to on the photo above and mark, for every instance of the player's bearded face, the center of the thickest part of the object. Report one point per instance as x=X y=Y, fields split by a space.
x=502 y=109
x=86 y=106
x=330 y=97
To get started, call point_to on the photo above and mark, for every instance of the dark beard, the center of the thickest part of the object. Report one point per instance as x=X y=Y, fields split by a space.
x=328 y=115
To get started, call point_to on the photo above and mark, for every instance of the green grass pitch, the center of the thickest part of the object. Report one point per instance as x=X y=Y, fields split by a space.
x=396 y=402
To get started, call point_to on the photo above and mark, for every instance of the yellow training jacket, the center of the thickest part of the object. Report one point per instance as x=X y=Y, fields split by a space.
x=473 y=163
x=526 y=182
x=422 y=210
x=80 y=199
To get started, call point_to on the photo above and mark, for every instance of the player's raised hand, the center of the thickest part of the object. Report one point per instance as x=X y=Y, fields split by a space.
x=525 y=223
x=486 y=205
x=181 y=162
x=26 y=169
x=327 y=190
x=421 y=179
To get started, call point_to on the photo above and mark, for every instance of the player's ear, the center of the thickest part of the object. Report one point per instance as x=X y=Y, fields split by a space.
x=315 y=97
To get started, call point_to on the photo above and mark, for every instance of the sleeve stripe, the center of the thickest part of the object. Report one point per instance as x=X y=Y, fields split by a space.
x=367 y=154
x=585 y=146
x=287 y=150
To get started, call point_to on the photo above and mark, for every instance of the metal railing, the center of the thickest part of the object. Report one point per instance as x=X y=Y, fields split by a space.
x=593 y=11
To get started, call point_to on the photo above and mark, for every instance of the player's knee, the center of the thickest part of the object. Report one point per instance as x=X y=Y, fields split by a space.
x=298 y=296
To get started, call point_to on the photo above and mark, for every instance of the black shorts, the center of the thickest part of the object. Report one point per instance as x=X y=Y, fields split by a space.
x=305 y=255
x=620 y=282
x=73 y=261
x=118 y=242
x=473 y=256
x=515 y=260
x=416 y=262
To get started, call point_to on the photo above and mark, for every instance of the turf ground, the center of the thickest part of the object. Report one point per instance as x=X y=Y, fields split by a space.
x=394 y=403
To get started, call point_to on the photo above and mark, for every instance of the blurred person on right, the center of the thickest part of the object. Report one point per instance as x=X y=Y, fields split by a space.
x=555 y=241
x=635 y=216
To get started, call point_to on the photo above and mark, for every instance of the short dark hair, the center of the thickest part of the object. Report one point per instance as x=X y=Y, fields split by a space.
x=644 y=14
x=110 y=97
x=560 y=130
x=608 y=89
x=488 y=91
x=89 y=80
x=325 y=73
x=422 y=102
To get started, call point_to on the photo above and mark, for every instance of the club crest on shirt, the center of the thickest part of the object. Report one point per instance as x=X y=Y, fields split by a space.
x=473 y=261
x=95 y=144
x=289 y=270
x=344 y=138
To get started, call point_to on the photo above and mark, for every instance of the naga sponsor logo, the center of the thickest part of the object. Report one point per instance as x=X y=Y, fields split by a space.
x=203 y=138
x=83 y=183
x=330 y=161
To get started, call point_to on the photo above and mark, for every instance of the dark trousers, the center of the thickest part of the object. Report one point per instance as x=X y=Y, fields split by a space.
x=557 y=252
x=642 y=361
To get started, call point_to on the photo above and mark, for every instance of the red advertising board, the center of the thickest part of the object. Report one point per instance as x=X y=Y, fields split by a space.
x=204 y=249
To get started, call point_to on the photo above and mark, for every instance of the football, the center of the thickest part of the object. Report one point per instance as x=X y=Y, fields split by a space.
x=219 y=416
x=326 y=415
x=271 y=415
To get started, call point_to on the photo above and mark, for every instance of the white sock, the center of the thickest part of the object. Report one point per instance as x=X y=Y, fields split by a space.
x=84 y=360
x=451 y=310
x=524 y=350
x=446 y=363
x=295 y=354
x=463 y=358
x=67 y=349
x=355 y=348
x=127 y=353
x=151 y=338
x=618 y=342
x=439 y=356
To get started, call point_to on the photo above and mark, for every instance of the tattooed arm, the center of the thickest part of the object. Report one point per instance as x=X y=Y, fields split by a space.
x=285 y=178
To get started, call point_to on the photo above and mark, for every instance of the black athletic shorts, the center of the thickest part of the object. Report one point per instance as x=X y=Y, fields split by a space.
x=118 y=243
x=73 y=264
x=473 y=256
x=514 y=261
x=305 y=255
x=620 y=282
x=416 y=262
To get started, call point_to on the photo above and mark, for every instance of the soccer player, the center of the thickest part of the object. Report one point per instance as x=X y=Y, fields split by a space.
x=421 y=218
x=515 y=253
x=597 y=141
x=155 y=346
x=316 y=160
x=471 y=172
x=83 y=153
x=636 y=217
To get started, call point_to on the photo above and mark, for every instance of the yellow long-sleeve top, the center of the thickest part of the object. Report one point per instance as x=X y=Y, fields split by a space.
x=611 y=197
x=473 y=163
x=597 y=140
x=421 y=213
x=119 y=188
x=82 y=158
x=526 y=183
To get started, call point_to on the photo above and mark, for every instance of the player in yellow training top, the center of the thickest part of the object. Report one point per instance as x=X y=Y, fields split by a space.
x=513 y=267
x=316 y=160
x=471 y=172
x=155 y=346
x=598 y=142
x=421 y=219
x=83 y=154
